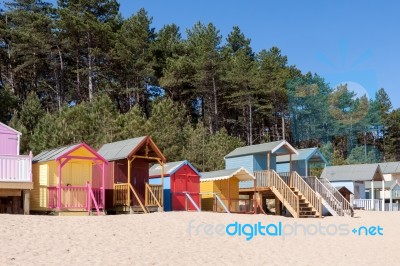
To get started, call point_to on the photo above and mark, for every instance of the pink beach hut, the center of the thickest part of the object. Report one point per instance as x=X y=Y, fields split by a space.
x=63 y=180
x=15 y=173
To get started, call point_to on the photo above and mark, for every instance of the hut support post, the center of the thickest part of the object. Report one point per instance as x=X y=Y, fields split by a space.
x=128 y=196
x=103 y=187
x=59 y=186
x=306 y=167
x=383 y=195
x=229 y=194
x=26 y=195
x=269 y=166
x=290 y=169
x=372 y=195
x=391 y=200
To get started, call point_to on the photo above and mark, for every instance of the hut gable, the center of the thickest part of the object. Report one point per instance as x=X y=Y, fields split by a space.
x=9 y=140
x=277 y=147
x=170 y=168
x=76 y=151
x=141 y=146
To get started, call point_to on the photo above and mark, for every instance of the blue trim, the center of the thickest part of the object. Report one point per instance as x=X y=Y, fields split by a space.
x=316 y=150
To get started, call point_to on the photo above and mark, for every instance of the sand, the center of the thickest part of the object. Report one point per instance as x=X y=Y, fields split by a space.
x=165 y=239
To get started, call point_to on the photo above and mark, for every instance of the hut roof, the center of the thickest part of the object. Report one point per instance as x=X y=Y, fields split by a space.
x=310 y=154
x=390 y=168
x=281 y=147
x=354 y=172
x=50 y=155
x=169 y=168
x=343 y=188
x=6 y=129
x=56 y=153
x=240 y=173
x=126 y=148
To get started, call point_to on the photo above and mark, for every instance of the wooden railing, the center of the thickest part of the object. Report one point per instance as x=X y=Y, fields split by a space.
x=289 y=199
x=333 y=203
x=16 y=168
x=121 y=194
x=285 y=177
x=92 y=200
x=98 y=196
x=74 y=197
x=315 y=200
x=368 y=204
x=346 y=206
x=53 y=196
x=262 y=179
x=154 y=195
x=241 y=205
x=138 y=199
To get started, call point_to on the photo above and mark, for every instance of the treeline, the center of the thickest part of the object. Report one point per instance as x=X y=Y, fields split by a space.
x=78 y=71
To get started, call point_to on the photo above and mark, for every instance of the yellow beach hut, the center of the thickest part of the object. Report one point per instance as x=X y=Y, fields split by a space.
x=220 y=191
x=62 y=180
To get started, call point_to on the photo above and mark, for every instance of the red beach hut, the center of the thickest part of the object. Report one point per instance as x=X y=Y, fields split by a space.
x=181 y=185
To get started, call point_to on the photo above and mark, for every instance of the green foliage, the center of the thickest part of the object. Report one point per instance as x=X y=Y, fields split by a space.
x=338 y=158
x=8 y=102
x=165 y=127
x=393 y=136
x=219 y=145
x=130 y=124
x=78 y=71
x=327 y=151
x=362 y=155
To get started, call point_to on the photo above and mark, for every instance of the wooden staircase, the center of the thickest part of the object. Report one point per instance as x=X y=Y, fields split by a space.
x=306 y=210
x=292 y=191
x=333 y=200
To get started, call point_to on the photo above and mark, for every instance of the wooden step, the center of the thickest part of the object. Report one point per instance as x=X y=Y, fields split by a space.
x=72 y=213
x=136 y=209
x=308 y=216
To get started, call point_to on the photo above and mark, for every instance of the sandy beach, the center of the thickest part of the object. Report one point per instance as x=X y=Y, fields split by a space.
x=195 y=238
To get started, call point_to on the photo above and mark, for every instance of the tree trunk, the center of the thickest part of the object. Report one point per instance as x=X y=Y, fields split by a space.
x=90 y=66
x=216 y=127
x=78 y=78
x=250 y=124
x=60 y=86
x=10 y=70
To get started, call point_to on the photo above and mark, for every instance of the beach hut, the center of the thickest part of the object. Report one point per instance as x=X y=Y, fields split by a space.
x=345 y=192
x=128 y=188
x=354 y=178
x=220 y=190
x=390 y=170
x=304 y=163
x=63 y=180
x=15 y=173
x=181 y=185
x=386 y=195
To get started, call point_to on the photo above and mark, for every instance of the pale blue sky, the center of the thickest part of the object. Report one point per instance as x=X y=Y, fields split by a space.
x=343 y=41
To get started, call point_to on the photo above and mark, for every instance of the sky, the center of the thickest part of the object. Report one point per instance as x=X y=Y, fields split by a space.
x=354 y=42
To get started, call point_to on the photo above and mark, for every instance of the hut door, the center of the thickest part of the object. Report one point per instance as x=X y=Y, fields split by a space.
x=178 y=198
